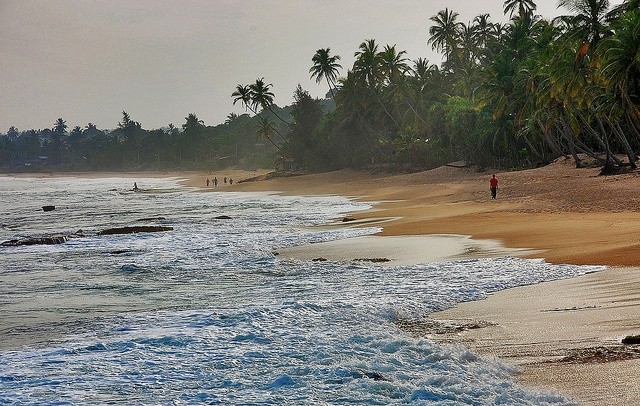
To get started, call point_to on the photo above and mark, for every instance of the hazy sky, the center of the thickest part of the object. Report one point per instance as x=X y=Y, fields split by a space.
x=159 y=60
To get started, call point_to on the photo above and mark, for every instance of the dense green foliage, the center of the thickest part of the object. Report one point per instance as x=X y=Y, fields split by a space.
x=506 y=95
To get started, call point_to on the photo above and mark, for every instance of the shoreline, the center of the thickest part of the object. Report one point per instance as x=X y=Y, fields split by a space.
x=567 y=336
x=558 y=212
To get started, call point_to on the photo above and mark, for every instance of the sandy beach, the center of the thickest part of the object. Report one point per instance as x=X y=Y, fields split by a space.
x=564 y=335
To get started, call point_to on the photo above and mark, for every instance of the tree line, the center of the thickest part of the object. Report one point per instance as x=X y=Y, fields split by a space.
x=518 y=94
x=509 y=95
x=129 y=146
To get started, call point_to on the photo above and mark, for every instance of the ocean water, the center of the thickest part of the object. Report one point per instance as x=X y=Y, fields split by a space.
x=208 y=314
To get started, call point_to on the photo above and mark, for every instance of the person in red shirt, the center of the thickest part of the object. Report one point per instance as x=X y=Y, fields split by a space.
x=493 y=185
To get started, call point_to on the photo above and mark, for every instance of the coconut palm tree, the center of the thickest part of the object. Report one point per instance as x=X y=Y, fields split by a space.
x=393 y=64
x=445 y=33
x=588 y=23
x=367 y=64
x=325 y=67
x=524 y=8
x=243 y=94
x=367 y=68
x=621 y=68
x=262 y=96
x=60 y=126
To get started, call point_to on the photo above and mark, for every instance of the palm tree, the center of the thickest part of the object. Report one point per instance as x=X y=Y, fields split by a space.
x=367 y=64
x=621 y=68
x=243 y=94
x=589 y=22
x=444 y=35
x=525 y=8
x=262 y=96
x=60 y=127
x=393 y=64
x=192 y=126
x=325 y=66
x=368 y=70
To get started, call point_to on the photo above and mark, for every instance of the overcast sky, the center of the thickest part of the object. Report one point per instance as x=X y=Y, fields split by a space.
x=159 y=60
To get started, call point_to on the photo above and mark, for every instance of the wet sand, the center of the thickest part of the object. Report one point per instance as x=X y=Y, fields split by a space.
x=400 y=250
x=564 y=335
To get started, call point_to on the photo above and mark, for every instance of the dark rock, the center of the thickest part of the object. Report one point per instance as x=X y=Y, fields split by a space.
x=50 y=240
x=320 y=259
x=120 y=252
x=376 y=376
x=347 y=219
x=631 y=340
x=48 y=208
x=134 y=229
x=223 y=217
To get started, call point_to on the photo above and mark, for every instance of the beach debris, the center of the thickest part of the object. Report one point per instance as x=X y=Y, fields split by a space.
x=372 y=260
x=426 y=327
x=601 y=354
x=319 y=259
x=48 y=240
x=631 y=340
x=347 y=219
x=222 y=217
x=134 y=229
x=48 y=208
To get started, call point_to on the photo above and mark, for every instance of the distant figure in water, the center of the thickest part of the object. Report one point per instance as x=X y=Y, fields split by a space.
x=493 y=185
x=207 y=182
x=135 y=186
x=225 y=180
x=215 y=181
x=230 y=181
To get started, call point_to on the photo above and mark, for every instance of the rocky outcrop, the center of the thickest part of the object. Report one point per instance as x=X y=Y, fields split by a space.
x=48 y=240
x=631 y=340
x=134 y=229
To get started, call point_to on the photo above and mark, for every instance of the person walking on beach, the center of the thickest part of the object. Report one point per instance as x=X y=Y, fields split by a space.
x=493 y=185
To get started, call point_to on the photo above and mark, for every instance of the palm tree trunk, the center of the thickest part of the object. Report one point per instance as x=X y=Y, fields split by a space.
x=532 y=147
x=602 y=140
x=550 y=141
x=277 y=115
x=623 y=140
x=375 y=93
x=632 y=126
x=565 y=130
